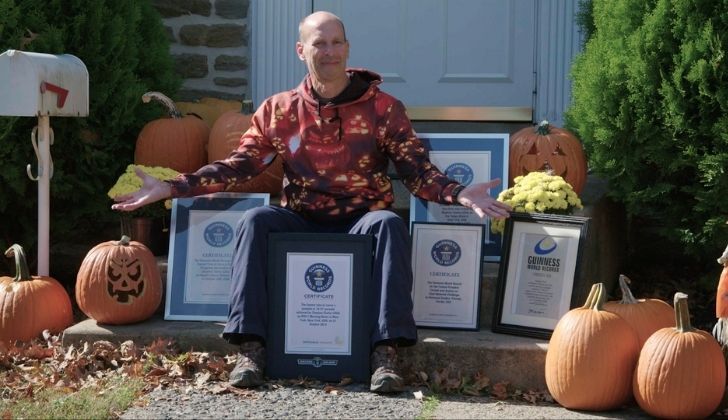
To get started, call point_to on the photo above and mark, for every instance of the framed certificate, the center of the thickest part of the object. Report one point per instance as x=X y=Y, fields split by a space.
x=318 y=297
x=447 y=262
x=200 y=254
x=541 y=257
x=467 y=159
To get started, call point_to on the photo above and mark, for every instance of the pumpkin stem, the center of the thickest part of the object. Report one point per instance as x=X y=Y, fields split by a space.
x=547 y=168
x=246 y=107
x=591 y=297
x=543 y=128
x=682 y=314
x=124 y=240
x=724 y=258
x=596 y=298
x=627 y=296
x=164 y=100
x=21 y=266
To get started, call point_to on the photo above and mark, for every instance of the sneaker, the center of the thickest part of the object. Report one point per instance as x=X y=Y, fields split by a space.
x=248 y=371
x=385 y=377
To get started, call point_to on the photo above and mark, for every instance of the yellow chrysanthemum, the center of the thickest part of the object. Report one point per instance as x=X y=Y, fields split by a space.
x=538 y=192
x=129 y=182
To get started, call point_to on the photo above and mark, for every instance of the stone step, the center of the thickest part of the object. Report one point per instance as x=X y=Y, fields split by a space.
x=503 y=358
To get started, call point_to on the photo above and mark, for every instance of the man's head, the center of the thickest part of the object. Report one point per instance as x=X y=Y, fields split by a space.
x=322 y=45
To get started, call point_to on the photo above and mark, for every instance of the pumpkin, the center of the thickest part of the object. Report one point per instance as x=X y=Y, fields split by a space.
x=119 y=282
x=31 y=304
x=644 y=315
x=176 y=142
x=547 y=148
x=225 y=137
x=680 y=372
x=591 y=357
x=209 y=109
x=720 y=330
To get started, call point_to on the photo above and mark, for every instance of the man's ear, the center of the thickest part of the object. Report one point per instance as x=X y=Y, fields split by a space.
x=299 y=51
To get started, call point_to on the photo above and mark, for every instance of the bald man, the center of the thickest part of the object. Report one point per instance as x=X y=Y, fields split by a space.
x=336 y=133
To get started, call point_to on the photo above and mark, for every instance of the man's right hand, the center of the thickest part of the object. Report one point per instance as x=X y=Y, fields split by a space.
x=152 y=190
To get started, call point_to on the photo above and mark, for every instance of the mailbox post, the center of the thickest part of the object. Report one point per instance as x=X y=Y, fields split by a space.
x=42 y=85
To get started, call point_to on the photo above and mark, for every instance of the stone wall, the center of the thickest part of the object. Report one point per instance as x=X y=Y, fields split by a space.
x=209 y=41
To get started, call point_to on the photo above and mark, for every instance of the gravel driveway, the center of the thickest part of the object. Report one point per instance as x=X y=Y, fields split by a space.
x=347 y=402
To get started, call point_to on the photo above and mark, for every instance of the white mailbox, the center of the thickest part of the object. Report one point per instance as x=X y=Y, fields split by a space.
x=42 y=86
x=34 y=84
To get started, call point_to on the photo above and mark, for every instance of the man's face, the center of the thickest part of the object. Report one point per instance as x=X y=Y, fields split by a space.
x=324 y=49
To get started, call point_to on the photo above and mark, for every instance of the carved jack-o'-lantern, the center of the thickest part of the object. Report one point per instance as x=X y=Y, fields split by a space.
x=125 y=281
x=546 y=147
x=119 y=282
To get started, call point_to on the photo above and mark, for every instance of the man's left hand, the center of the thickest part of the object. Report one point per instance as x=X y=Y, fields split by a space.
x=477 y=197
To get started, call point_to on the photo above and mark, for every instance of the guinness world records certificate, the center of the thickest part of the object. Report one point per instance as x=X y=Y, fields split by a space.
x=200 y=254
x=467 y=158
x=446 y=263
x=318 y=297
x=541 y=255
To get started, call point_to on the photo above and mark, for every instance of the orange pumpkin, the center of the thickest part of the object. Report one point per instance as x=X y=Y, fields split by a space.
x=226 y=132
x=544 y=148
x=225 y=137
x=591 y=357
x=119 y=282
x=680 y=372
x=720 y=330
x=644 y=315
x=31 y=304
x=176 y=142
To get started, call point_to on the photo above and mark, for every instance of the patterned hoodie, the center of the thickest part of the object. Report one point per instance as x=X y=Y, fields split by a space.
x=335 y=157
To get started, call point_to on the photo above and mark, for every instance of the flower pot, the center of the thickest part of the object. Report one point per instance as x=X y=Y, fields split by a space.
x=152 y=232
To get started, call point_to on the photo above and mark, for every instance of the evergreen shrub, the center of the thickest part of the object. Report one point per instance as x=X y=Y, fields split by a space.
x=650 y=103
x=126 y=50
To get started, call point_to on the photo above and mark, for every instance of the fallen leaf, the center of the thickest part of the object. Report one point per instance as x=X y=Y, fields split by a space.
x=500 y=390
x=202 y=379
x=331 y=390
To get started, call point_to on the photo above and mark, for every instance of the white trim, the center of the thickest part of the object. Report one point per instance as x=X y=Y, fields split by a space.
x=558 y=41
x=274 y=31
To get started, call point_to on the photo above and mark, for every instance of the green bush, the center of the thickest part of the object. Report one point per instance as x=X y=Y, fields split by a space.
x=650 y=103
x=126 y=51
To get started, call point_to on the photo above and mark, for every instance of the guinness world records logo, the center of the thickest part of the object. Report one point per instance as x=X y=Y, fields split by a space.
x=545 y=246
x=319 y=277
x=460 y=172
x=218 y=234
x=445 y=252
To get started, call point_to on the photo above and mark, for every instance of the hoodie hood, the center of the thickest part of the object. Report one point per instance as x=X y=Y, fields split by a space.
x=364 y=81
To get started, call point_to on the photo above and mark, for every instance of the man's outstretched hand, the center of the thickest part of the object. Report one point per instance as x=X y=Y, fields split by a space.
x=152 y=190
x=477 y=197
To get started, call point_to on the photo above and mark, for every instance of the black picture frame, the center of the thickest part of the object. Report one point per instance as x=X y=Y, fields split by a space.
x=301 y=325
x=541 y=261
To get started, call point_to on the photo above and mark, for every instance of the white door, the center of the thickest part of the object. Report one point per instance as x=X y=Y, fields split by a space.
x=445 y=53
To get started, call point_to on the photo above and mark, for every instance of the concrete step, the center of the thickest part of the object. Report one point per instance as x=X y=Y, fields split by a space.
x=503 y=358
